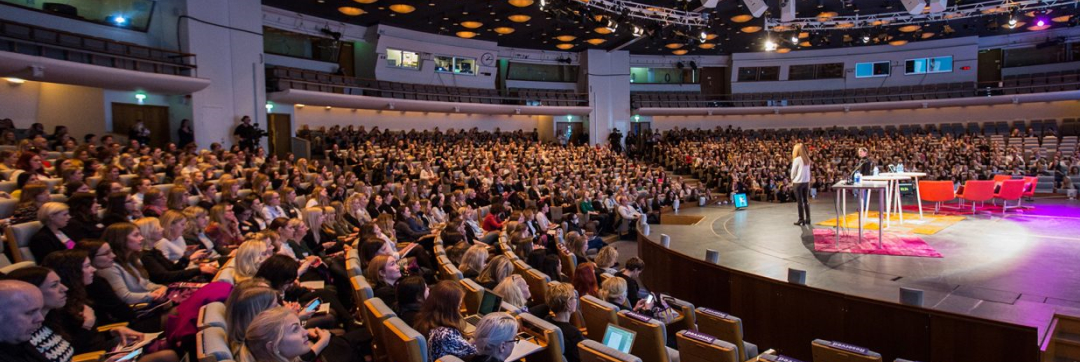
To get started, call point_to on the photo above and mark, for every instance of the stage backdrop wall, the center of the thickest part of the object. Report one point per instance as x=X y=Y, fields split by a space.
x=1004 y=112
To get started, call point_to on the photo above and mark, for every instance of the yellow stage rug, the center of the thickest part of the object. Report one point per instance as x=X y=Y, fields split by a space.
x=930 y=224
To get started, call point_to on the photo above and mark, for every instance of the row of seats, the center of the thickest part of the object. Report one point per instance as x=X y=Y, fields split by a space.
x=816 y=97
x=1041 y=82
x=1002 y=187
x=282 y=78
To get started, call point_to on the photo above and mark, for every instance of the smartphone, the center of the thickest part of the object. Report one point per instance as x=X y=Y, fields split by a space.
x=649 y=299
x=131 y=356
x=313 y=305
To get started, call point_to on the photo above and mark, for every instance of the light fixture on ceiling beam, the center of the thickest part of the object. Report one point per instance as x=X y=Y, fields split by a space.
x=787 y=10
x=757 y=7
x=769 y=45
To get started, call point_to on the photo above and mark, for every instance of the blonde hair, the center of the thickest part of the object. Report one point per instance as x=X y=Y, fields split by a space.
x=192 y=213
x=170 y=218
x=312 y=213
x=248 y=258
x=149 y=226
x=799 y=151
x=606 y=257
x=268 y=328
x=499 y=268
x=510 y=292
x=49 y=209
x=474 y=259
x=558 y=297
x=492 y=331
x=613 y=288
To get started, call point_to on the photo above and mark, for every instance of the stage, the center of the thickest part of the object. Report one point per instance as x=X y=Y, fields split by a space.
x=1020 y=268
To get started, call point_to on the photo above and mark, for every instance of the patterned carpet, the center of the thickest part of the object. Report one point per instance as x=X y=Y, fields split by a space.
x=893 y=244
x=930 y=224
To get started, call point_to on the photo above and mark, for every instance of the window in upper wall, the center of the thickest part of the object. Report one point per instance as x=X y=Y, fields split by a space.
x=758 y=74
x=281 y=42
x=928 y=65
x=542 y=72
x=456 y=65
x=402 y=59
x=873 y=69
x=127 y=14
x=816 y=71
x=642 y=75
x=1023 y=57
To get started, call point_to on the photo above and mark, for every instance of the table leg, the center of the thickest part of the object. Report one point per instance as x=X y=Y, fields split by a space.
x=887 y=192
x=918 y=194
x=881 y=198
x=860 y=221
x=899 y=201
x=836 y=206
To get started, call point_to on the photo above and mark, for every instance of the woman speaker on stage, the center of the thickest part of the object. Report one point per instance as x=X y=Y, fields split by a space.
x=800 y=177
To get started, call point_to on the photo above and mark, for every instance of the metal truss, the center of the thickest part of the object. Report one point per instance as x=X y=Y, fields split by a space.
x=667 y=16
x=986 y=8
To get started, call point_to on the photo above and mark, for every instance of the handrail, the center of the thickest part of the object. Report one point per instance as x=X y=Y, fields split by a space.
x=183 y=57
x=102 y=54
x=377 y=92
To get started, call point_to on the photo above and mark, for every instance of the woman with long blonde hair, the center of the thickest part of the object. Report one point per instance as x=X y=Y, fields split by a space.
x=800 y=178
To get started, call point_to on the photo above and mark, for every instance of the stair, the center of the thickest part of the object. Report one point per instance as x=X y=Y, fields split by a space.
x=1062 y=343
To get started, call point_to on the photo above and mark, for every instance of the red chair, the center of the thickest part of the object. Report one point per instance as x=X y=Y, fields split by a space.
x=1010 y=190
x=936 y=192
x=1001 y=178
x=976 y=191
x=1030 y=183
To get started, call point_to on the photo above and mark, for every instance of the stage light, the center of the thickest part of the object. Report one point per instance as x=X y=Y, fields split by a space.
x=704 y=36
x=1040 y=23
x=299 y=105
x=638 y=31
x=866 y=38
x=504 y=30
x=795 y=38
x=1012 y=22
x=769 y=45
x=119 y=20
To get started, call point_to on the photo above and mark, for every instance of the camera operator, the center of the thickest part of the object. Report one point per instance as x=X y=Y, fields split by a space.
x=247 y=134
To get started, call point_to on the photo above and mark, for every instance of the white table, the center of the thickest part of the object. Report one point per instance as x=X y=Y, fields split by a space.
x=842 y=187
x=915 y=183
x=892 y=196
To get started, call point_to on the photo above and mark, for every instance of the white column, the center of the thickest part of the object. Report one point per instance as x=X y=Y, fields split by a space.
x=608 y=79
x=228 y=47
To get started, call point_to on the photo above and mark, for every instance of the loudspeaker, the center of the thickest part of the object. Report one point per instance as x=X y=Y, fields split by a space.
x=665 y=240
x=712 y=256
x=910 y=296
x=796 y=276
x=937 y=6
x=787 y=10
x=756 y=7
x=913 y=6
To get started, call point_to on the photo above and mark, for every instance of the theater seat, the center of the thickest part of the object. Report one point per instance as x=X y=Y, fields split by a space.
x=650 y=343
x=826 y=351
x=548 y=333
x=593 y=351
x=597 y=315
x=447 y=270
x=1011 y=190
x=18 y=240
x=1030 y=183
x=700 y=347
x=212 y=315
x=473 y=294
x=212 y=345
x=375 y=312
x=726 y=327
x=352 y=267
x=7 y=208
x=361 y=289
x=403 y=343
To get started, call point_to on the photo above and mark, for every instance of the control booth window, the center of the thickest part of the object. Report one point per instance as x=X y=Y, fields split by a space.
x=456 y=65
x=928 y=65
x=402 y=59
x=816 y=71
x=875 y=69
x=758 y=74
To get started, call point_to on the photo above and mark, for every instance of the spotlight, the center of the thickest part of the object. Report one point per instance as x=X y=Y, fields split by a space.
x=119 y=20
x=795 y=38
x=866 y=38
x=638 y=31
x=770 y=45
x=704 y=36
x=543 y=3
x=1012 y=22
x=1040 y=22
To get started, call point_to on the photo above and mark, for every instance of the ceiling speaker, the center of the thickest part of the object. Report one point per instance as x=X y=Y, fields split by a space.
x=913 y=6
x=937 y=6
x=758 y=7
x=787 y=10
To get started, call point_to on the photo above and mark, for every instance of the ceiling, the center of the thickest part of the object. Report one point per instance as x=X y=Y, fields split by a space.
x=541 y=28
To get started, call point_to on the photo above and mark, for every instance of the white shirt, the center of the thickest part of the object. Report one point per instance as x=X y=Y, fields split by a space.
x=172 y=249
x=800 y=172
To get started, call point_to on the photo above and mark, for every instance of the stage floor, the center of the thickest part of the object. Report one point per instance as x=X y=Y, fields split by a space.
x=1019 y=268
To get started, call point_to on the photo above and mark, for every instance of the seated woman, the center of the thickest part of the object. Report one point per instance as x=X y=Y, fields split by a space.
x=605 y=261
x=54 y=216
x=160 y=269
x=78 y=320
x=195 y=232
x=110 y=308
x=277 y=335
x=249 y=256
x=494 y=338
x=515 y=291
x=383 y=273
x=84 y=223
x=440 y=321
x=127 y=276
x=563 y=301
x=500 y=267
x=614 y=291
x=410 y=293
x=473 y=261
x=585 y=279
x=33 y=195
x=281 y=272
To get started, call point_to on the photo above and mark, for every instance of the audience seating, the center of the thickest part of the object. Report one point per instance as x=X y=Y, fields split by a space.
x=473 y=295
x=212 y=315
x=826 y=351
x=403 y=343
x=699 y=347
x=362 y=291
x=447 y=270
x=593 y=351
x=374 y=313
x=211 y=345
x=597 y=314
x=548 y=334
x=726 y=327
x=651 y=341
x=448 y=358
x=18 y=240
x=7 y=207
x=687 y=319
x=936 y=192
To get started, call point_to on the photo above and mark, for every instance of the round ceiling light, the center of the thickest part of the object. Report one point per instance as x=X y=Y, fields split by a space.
x=365 y=1
x=679 y=52
x=742 y=18
x=565 y=46
x=845 y=25
x=595 y=41
x=994 y=10
x=402 y=8
x=519 y=18
x=880 y=22
x=674 y=45
x=826 y=15
x=1037 y=27
x=350 y=11
x=804 y=35
x=1061 y=19
x=751 y=29
x=909 y=28
x=783 y=50
x=928 y=35
x=706 y=45
x=711 y=36
x=602 y=30
x=804 y=44
x=520 y=3
x=781 y=28
x=472 y=24
x=566 y=38
x=897 y=43
x=466 y=34
x=504 y=30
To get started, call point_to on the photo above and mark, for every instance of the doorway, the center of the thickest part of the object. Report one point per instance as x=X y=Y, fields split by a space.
x=155 y=118
x=573 y=131
x=280 y=129
x=989 y=68
x=639 y=127
x=714 y=80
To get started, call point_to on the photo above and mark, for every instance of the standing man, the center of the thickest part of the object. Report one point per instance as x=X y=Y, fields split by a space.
x=246 y=134
x=20 y=319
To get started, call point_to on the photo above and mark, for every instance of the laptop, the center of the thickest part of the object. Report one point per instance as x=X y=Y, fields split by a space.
x=489 y=303
x=619 y=338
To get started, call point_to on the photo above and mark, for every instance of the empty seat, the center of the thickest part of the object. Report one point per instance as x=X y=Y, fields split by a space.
x=700 y=347
x=18 y=240
x=362 y=291
x=212 y=315
x=212 y=345
x=375 y=312
x=725 y=327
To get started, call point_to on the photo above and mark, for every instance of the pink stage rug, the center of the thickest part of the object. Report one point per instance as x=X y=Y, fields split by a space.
x=901 y=245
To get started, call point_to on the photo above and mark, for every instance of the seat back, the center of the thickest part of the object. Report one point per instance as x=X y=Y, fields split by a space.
x=568 y=261
x=9 y=186
x=212 y=345
x=593 y=351
x=826 y=351
x=7 y=207
x=353 y=268
x=18 y=240
x=212 y=315
x=687 y=319
x=403 y=343
x=361 y=289
x=700 y=347
x=226 y=274
x=375 y=312
x=548 y=333
x=936 y=191
x=651 y=340
x=723 y=326
x=975 y=190
x=447 y=270
x=1030 y=183
x=597 y=315
x=1011 y=190
x=538 y=284
x=473 y=294
x=1002 y=178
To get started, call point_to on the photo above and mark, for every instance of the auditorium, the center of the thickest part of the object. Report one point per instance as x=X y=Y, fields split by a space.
x=539 y=180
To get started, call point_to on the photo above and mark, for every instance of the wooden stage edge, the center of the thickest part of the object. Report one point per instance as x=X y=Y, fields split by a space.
x=787 y=317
